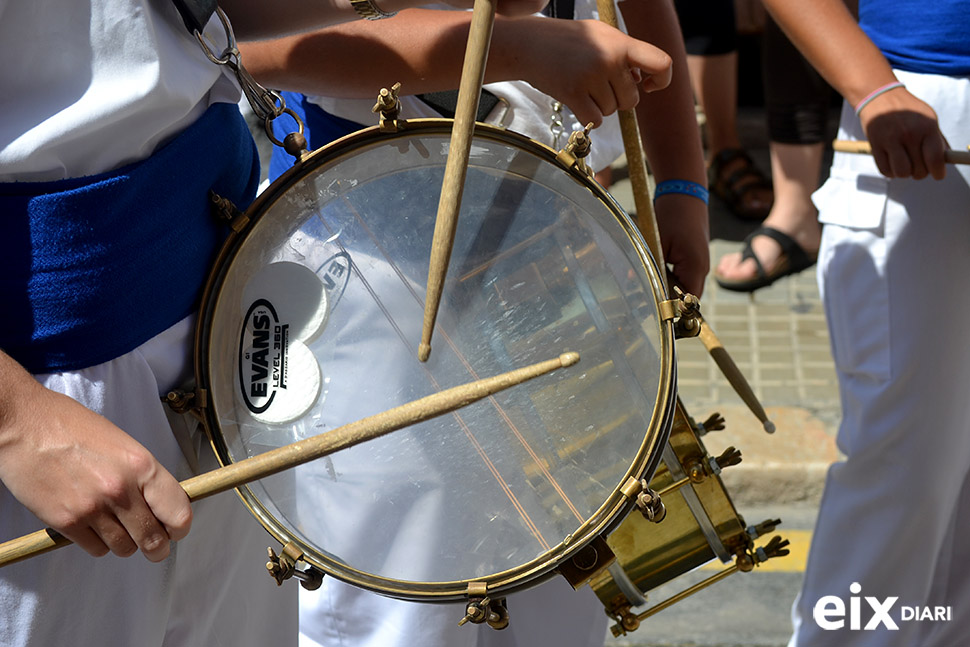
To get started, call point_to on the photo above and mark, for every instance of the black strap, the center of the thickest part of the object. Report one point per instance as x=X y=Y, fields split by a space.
x=565 y=9
x=195 y=13
x=447 y=102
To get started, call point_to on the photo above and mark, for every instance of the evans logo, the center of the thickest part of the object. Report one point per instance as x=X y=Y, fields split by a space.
x=262 y=356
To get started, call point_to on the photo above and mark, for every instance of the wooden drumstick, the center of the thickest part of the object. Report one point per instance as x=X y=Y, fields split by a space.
x=469 y=93
x=304 y=451
x=733 y=374
x=865 y=148
x=636 y=162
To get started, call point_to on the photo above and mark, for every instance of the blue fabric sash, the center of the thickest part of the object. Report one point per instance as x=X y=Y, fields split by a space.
x=93 y=267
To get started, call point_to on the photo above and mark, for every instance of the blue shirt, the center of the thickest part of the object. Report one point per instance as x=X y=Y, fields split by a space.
x=926 y=36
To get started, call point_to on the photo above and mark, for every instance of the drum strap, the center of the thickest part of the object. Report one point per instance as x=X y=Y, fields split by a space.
x=95 y=266
x=565 y=9
x=447 y=102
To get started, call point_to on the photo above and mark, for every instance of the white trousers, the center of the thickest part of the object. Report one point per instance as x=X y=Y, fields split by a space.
x=894 y=520
x=339 y=615
x=212 y=590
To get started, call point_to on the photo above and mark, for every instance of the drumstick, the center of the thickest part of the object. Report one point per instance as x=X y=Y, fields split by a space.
x=469 y=92
x=304 y=451
x=733 y=374
x=636 y=162
x=865 y=148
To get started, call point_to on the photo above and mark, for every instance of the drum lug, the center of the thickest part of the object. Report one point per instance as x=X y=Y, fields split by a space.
x=651 y=506
x=714 y=422
x=576 y=150
x=225 y=210
x=685 y=311
x=283 y=566
x=648 y=501
x=587 y=563
x=763 y=528
x=186 y=401
x=388 y=106
x=699 y=470
x=494 y=613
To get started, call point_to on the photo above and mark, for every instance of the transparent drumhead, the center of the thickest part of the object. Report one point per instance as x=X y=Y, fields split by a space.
x=317 y=320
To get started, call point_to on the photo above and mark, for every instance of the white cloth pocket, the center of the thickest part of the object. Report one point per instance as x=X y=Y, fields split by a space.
x=852 y=198
x=852 y=272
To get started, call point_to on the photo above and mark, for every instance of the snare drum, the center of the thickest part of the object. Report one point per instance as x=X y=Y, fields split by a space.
x=312 y=317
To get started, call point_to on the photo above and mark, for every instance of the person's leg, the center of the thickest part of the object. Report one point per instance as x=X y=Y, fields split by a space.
x=795 y=170
x=714 y=79
x=797 y=108
x=711 y=41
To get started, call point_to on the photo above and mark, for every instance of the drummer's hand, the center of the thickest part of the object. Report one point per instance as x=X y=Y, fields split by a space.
x=684 y=235
x=905 y=136
x=83 y=476
x=509 y=8
x=590 y=66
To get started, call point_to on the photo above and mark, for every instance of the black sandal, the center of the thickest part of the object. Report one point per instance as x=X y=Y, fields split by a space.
x=735 y=189
x=793 y=260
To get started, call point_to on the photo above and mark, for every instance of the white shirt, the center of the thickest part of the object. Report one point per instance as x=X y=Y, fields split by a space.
x=91 y=86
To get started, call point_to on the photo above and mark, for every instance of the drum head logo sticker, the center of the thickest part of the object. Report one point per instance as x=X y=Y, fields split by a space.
x=286 y=306
x=262 y=360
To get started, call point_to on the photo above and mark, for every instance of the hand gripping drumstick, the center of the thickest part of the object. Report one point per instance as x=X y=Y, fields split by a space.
x=864 y=148
x=304 y=451
x=636 y=162
x=469 y=92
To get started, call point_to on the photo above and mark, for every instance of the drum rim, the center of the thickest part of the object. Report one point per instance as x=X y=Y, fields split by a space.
x=610 y=513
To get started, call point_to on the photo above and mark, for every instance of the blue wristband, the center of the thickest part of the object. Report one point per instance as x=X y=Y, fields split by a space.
x=685 y=187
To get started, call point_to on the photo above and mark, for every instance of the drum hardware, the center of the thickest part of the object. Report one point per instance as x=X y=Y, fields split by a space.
x=701 y=524
x=698 y=470
x=289 y=456
x=388 y=106
x=227 y=212
x=688 y=314
x=484 y=610
x=556 y=126
x=950 y=156
x=266 y=104
x=577 y=149
x=651 y=505
x=283 y=566
x=628 y=621
x=714 y=422
x=186 y=401
x=587 y=563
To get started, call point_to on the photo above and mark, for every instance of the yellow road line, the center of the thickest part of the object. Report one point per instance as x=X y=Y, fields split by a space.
x=794 y=562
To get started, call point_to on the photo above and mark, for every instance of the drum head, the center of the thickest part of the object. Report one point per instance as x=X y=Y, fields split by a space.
x=312 y=320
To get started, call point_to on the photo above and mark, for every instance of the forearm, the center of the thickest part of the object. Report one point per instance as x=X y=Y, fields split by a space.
x=257 y=19
x=423 y=49
x=420 y=48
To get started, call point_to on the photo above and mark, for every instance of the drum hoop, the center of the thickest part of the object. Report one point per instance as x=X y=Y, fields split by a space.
x=610 y=513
